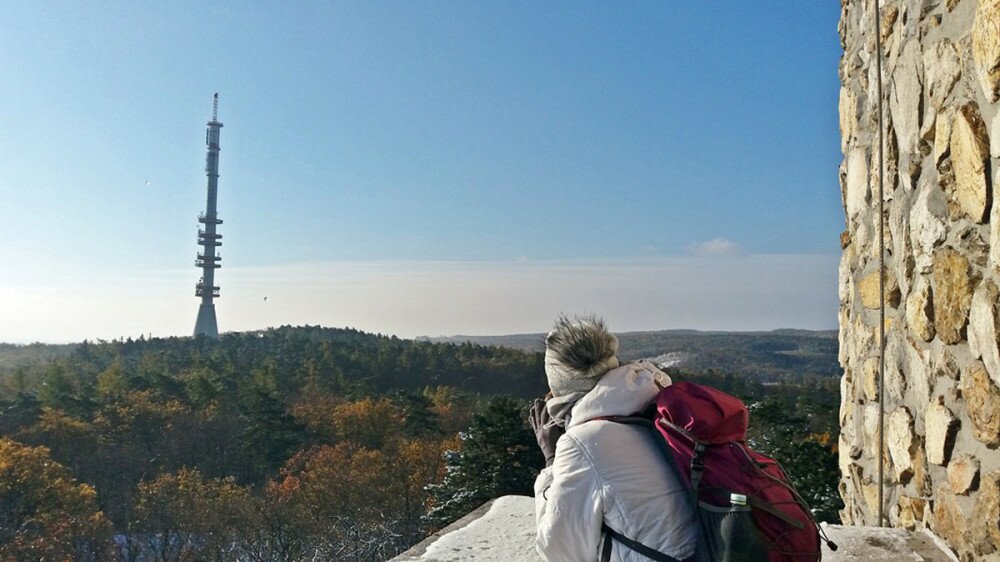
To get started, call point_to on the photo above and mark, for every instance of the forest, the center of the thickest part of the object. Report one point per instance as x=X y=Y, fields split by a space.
x=304 y=443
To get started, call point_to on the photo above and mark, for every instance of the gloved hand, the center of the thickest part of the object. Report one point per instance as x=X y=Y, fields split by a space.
x=546 y=434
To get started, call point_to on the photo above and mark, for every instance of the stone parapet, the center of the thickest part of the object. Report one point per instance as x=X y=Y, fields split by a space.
x=503 y=530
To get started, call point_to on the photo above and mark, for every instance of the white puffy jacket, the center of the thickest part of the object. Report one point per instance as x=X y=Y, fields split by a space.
x=609 y=472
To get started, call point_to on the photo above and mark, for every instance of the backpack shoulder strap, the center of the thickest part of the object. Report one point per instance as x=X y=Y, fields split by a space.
x=637 y=546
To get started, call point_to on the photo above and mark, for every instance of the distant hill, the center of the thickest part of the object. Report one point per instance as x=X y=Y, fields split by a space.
x=348 y=360
x=761 y=355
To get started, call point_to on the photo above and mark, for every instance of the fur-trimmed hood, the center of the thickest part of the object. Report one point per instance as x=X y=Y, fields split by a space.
x=629 y=389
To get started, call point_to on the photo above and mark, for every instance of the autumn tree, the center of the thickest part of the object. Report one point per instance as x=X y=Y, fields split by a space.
x=453 y=409
x=139 y=438
x=44 y=513
x=183 y=516
x=347 y=502
x=280 y=526
x=369 y=422
x=317 y=414
x=71 y=441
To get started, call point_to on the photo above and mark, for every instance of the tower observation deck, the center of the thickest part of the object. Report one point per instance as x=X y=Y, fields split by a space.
x=208 y=238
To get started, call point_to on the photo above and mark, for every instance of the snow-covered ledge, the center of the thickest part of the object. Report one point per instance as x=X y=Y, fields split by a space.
x=504 y=530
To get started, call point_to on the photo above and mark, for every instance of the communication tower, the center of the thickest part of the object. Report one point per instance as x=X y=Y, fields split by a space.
x=208 y=238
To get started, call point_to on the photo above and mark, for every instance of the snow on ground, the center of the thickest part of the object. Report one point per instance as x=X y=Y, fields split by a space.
x=505 y=532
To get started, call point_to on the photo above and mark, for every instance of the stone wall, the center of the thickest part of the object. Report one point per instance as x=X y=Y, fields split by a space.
x=941 y=85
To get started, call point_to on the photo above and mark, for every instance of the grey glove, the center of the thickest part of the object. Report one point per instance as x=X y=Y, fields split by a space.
x=545 y=433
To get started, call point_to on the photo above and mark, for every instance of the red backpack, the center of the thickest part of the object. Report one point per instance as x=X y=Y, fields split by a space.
x=745 y=505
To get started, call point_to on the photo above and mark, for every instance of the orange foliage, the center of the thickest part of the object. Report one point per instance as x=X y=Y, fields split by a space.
x=316 y=413
x=46 y=514
x=184 y=516
x=368 y=423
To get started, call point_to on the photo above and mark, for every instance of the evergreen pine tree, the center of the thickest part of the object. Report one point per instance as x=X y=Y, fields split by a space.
x=271 y=434
x=419 y=418
x=498 y=457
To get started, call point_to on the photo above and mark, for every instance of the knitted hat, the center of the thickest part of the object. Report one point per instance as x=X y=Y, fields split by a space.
x=578 y=352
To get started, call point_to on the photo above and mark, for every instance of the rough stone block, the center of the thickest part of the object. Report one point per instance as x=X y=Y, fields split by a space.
x=927 y=227
x=949 y=519
x=848 y=107
x=921 y=478
x=856 y=183
x=911 y=512
x=986 y=47
x=942 y=69
x=953 y=286
x=869 y=287
x=920 y=312
x=963 y=474
x=969 y=155
x=902 y=443
x=870 y=371
x=905 y=95
x=940 y=426
x=982 y=399
x=984 y=327
x=994 y=257
x=984 y=528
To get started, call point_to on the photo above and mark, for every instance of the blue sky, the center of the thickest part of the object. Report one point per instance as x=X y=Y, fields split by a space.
x=374 y=144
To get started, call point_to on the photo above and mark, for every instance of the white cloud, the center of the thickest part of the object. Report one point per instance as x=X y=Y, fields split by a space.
x=750 y=292
x=716 y=247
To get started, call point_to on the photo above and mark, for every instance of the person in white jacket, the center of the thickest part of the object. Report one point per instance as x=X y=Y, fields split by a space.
x=601 y=474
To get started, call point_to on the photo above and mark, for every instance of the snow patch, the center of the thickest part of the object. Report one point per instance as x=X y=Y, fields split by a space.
x=670 y=359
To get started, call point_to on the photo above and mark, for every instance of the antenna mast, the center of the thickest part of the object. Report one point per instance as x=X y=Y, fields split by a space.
x=208 y=238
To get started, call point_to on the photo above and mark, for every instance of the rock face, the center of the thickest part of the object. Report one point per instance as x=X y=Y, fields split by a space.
x=911 y=511
x=941 y=399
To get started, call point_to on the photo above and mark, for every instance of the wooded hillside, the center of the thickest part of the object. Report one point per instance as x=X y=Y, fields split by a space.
x=297 y=443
